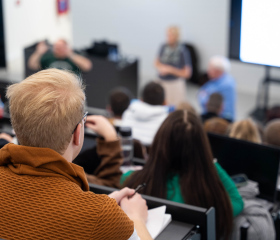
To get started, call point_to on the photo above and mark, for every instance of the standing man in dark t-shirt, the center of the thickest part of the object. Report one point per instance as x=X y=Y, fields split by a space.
x=174 y=66
x=61 y=57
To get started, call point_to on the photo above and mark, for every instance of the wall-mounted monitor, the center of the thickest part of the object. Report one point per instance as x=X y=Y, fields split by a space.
x=254 y=31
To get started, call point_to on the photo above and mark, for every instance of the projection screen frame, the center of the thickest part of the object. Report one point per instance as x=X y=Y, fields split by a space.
x=235 y=33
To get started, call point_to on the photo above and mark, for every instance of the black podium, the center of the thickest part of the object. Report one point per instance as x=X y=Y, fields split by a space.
x=106 y=75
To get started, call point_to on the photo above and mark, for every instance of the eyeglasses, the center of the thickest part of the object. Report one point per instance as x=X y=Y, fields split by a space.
x=84 y=119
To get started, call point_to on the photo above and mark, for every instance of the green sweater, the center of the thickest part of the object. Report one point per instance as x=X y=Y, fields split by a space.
x=174 y=190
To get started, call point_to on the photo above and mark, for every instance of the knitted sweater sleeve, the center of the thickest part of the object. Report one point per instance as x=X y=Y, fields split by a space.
x=112 y=223
x=108 y=172
x=235 y=198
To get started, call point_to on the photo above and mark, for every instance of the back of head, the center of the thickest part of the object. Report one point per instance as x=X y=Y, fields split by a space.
x=153 y=94
x=181 y=148
x=119 y=101
x=45 y=108
x=216 y=125
x=215 y=103
x=245 y=130
x=186 y=106
x=272 y=133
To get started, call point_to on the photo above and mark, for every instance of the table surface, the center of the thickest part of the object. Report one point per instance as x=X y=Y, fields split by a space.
x=175 y=230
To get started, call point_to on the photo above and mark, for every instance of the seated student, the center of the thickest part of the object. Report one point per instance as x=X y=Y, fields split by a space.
x=272 y=133
x=220 y=82
x=43 y=194
x=216 y=125
x=119 y=101
x=214 y=107
x=186 y=106
x=60 y=56
x=245 y=130
x=181 y=169
x=102 y=163
x=146 y=116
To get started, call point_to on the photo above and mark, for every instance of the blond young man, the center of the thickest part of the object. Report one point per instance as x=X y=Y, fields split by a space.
x=43 y=194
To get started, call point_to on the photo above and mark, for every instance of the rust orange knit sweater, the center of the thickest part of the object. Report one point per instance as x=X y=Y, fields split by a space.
x=42 y=196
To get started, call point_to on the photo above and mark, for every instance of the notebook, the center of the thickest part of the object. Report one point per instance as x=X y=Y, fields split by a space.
x=157 y=221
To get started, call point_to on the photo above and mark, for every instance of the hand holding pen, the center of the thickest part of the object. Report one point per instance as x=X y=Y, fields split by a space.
x=139 y=187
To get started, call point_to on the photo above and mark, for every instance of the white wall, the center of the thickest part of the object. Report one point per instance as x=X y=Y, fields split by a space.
x=29 y=22
x=139 y=27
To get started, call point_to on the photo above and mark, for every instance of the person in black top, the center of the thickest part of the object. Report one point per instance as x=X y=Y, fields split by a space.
x=214 y=107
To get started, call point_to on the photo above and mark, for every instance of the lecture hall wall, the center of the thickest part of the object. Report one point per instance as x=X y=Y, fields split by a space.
x=29 y=21
x=139 y=28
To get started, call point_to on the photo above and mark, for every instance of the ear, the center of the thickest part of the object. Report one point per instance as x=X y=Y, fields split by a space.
x=76 y=136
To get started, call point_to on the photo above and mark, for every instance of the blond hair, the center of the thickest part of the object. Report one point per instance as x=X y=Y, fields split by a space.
x=186 y=106
x=216 y=125
x=175 y=30
x=245 y=130
x=46 y=107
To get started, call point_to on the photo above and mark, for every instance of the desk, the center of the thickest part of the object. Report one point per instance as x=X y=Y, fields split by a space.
x=177 y=230
x=184 y=217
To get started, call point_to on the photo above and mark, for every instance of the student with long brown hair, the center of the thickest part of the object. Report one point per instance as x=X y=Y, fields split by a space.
x=181 y=168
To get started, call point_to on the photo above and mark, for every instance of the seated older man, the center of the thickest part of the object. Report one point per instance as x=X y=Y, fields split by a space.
x=220 y=82
x=60 y=56
x=43 y=194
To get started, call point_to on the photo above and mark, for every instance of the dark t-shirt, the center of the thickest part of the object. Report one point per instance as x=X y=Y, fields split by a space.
x=48 y=60
x=178 y=57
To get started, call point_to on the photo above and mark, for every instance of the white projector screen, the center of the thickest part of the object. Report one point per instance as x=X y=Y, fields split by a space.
x=260 y=32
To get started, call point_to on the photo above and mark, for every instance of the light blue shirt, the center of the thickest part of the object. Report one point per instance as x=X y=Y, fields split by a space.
x=225 y=85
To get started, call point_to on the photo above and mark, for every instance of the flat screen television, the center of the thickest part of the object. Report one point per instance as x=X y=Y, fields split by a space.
x=254 y=31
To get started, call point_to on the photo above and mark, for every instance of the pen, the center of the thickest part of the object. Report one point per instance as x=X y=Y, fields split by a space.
x=139 y=187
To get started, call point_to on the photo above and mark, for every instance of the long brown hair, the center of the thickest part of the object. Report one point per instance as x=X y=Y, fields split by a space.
x=181 y=147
